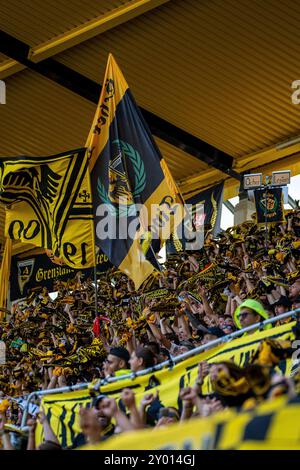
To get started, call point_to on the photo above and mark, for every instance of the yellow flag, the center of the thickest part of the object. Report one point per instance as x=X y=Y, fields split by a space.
x=48 y=204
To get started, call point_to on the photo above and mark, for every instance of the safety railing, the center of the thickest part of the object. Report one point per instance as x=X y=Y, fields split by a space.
x=169 y=363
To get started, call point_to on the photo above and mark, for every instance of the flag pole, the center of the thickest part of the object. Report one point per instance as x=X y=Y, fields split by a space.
x=88 y=156
x=95 y=281
x=266 y=214
x=5 y=275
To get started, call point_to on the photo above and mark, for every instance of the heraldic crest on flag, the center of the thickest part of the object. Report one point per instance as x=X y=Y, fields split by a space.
x=48 y=204
x=25 y=270
x=212 y=199
x=269 y=205
x=134 y=201
x=205 y=209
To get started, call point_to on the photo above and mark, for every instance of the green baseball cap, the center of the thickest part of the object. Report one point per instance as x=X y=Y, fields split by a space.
x=254 y=305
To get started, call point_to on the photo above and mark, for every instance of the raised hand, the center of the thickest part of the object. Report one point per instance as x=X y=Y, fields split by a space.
x=188 y=395
x=203 y=371
x=2 y=421
x=31 y=423
x=201 y=290
x=148 y=399
x=109 y=407
x=41 y=416
x=128 y=397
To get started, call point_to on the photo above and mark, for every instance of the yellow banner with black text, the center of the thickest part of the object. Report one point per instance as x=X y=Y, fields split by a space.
x=62 y=409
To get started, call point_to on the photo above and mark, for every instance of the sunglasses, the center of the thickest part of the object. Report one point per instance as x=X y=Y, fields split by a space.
x=165 y=412
x=244 y=314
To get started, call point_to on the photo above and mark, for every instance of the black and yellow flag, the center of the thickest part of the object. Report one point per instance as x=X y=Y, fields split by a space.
x=48 y=204
x=269 y=205
x=134 y=194
x=212 y=199
x=206 y=209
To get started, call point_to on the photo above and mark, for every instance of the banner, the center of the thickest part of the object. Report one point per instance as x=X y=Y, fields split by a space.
x=272 y=425
x=4 y=274
x=206 y=211
x=62 y=409
x=39 y=271
x=134 y=196
x=48 y=204
x=269 y=205
x=212 y=199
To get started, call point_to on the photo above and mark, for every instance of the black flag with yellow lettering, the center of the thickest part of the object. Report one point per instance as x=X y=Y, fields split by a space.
x=48 y=204
x=135 y=198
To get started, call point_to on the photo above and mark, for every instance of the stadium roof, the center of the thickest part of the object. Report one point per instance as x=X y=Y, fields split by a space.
x=213 y=79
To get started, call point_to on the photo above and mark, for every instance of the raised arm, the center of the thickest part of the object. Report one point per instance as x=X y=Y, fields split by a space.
x=128 y=398
x=155 y=330
x=48 y=432
x=111 y=410
x=4 y=434
x=207 y=308
x=31 y=423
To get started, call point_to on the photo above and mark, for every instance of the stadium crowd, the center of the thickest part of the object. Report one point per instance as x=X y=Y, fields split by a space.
x=233 y=282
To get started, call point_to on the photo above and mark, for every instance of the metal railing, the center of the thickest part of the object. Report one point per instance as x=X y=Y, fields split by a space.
x=169 y=363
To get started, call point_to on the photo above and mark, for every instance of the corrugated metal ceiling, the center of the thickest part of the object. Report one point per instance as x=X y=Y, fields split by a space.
x=37 y=21
x=37 y=99
x=41 y=117
x=219 y=69
x=3 y=57
x=179 y=162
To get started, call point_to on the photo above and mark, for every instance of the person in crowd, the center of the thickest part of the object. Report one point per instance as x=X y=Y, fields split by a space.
x=294 y=290
x=141 y=358
x=231 y=283
x=282 y=305
x=212 y=334
x=117 y=362
x=167 y=415
x=249 y=313
x=95 y=425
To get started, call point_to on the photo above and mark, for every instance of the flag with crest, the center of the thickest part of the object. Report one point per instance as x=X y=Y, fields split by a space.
x=269 y=205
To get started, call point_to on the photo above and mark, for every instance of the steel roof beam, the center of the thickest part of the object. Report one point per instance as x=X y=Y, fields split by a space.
x=292 y=202
x=89 y=89
x=229 y=206
x=83 y=32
